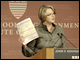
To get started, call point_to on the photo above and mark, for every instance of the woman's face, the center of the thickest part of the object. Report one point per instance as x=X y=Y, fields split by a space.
x=50 y=16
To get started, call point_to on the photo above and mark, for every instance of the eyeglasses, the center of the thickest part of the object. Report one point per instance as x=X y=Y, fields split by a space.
x=50 y=14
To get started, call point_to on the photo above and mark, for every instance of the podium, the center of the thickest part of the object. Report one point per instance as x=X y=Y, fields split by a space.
x=45 y=53
x=57 y=53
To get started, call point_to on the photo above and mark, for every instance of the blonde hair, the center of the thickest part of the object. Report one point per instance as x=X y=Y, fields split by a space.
x=42 y=10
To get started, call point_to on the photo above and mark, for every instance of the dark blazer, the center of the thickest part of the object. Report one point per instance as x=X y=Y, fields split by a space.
x=45 y=40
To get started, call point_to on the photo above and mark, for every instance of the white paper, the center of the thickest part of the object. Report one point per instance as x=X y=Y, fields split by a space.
x=27 y=29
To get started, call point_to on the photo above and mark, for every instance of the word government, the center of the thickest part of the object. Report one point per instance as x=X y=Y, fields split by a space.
x=64 y=25
x=68 y=25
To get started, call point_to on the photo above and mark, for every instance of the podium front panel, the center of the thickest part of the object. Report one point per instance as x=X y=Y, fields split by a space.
x=66 y=53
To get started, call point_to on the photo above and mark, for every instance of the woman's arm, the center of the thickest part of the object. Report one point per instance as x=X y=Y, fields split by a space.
x=29 y=49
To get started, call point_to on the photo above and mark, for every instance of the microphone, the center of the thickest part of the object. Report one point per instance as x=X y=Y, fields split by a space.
x=58 y=39
x=67 y=39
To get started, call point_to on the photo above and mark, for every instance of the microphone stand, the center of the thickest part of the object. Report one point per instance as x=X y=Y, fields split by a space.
x=58 y=39
x=67 y=40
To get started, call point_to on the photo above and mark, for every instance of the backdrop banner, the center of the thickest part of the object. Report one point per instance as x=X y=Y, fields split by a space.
x=12 y=12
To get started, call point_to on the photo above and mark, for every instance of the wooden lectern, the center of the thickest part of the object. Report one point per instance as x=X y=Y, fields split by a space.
x=57 y=53
x=45 y=53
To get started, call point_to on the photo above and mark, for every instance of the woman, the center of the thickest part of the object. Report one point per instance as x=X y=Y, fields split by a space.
x=49 y=33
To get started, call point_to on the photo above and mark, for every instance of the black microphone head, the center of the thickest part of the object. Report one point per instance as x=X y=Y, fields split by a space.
x=57 y=33
x=61 y=34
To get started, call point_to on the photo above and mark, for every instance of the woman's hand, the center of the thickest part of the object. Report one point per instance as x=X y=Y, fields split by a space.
x=21 y=39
